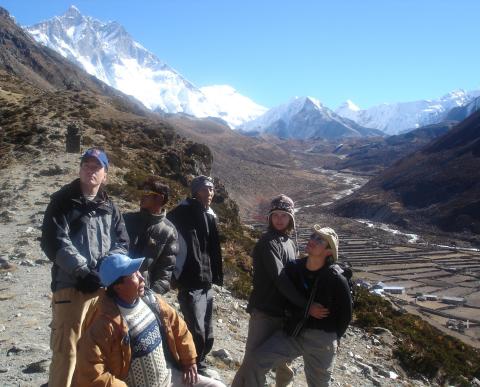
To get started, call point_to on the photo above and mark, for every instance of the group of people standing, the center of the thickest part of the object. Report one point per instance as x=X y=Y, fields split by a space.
x=111 y=327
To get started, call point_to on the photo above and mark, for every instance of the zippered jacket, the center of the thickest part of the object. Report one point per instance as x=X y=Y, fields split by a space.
x=155 y=238
x=271 y=286
x=332 y=292
x=104 y=354
x=82 y=233
x=199 y=259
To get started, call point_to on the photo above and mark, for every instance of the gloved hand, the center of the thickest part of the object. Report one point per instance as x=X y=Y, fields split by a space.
x=88 y=284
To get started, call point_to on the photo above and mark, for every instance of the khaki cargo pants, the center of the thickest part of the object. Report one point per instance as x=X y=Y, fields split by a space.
x=70 y=308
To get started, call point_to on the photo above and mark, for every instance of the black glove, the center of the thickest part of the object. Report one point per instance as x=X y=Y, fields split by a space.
x=88 y=284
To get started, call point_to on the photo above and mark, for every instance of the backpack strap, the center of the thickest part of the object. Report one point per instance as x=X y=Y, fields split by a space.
x=302 y=322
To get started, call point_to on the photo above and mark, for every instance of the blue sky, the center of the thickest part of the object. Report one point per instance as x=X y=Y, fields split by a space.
x=369 y=51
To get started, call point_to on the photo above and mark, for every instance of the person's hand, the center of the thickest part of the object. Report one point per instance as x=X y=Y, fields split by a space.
x=190 y=375
x=318 y=311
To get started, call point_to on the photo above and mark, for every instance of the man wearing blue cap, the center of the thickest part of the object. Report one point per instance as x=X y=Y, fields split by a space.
x=81 y=226
x=198 y=264
x=135 y=338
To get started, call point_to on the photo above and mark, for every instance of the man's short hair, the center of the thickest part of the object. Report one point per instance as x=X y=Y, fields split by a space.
x=153 y=184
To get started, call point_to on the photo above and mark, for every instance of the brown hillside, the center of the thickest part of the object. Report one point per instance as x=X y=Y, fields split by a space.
x=41 y=94
x=438 y=186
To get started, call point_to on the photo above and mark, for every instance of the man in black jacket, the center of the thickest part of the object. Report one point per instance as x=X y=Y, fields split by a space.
x=153 y=236
x=198 y=264
x=80 y=227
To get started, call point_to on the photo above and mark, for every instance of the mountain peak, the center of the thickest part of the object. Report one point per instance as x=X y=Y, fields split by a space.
x=72 y=13
x=298 y=103
x=348 y=104
x=393 y=118
x=4 y=12
x=314 y=101
x=305 y=117
x=107 y=51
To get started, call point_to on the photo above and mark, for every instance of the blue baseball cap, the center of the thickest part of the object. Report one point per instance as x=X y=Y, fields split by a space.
x=115 y=266
x=99 y=154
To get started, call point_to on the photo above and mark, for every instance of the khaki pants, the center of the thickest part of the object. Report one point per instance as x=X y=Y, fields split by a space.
x=69 y=310
x=260 y=328
x=317 y=347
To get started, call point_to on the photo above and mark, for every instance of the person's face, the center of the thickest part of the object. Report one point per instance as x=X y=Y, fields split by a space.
x=92 y=173
x=205 y=195
x=316 y=245
x=131 y=287
x=280 y=220
x=152 y=201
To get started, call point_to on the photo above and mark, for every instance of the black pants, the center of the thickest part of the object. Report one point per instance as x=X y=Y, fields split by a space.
x=197 y=308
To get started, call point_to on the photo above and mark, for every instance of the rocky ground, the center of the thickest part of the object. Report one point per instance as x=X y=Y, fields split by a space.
x=363 y=359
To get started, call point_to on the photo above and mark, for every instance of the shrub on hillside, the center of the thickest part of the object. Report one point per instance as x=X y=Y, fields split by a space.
x=421 y=348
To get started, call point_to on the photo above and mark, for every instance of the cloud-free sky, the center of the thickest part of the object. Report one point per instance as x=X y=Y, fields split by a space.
x=368 y=51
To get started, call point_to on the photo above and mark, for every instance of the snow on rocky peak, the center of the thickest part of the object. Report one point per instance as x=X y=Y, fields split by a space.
x=106 y=51
x=397 y=117
x=304 y=117
x=232 y=105
x=348 y=106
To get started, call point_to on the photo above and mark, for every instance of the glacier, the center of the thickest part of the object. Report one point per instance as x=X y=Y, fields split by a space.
x=106 y=51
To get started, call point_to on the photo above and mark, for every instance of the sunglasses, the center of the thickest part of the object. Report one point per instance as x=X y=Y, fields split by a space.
x=147 y=192
x=317 y=238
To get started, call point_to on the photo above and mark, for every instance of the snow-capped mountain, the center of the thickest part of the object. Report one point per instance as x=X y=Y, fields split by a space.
x=233 y=107
x=397 y=117
x=462 y=112
x=107 y=51
x=303 y=118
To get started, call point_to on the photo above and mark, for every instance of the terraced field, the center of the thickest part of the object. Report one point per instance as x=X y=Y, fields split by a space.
x=425 y=269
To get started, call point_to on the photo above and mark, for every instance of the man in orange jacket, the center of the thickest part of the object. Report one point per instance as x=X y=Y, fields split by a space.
x=135 y=338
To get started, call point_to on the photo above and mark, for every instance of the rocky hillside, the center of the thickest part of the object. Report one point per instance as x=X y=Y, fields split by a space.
x=365 y=359
x=38 y=104
x=436 y=187
x=373 y=155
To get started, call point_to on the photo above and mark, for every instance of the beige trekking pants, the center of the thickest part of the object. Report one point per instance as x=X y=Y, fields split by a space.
x=70 y=308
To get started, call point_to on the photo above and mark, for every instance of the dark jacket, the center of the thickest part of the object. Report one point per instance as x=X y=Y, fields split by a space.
x=199 y=260
x=155 y=238
x=104 y=354
x=81 y=232
x=332 y=292
x=271 y=286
